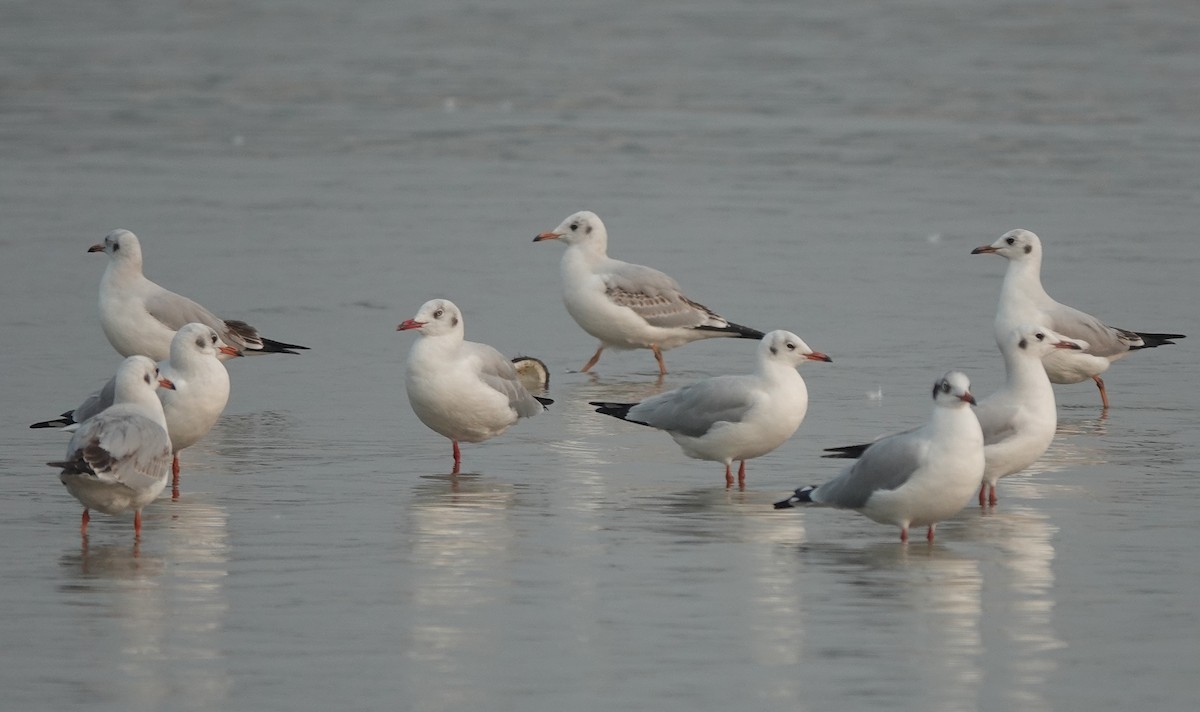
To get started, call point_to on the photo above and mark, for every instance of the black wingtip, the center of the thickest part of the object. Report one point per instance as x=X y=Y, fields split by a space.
x=800 y=496
x=1150 y=340
x=616 y=410
x=736 y=331
x=58 y=423
x=852 y=452
x=277 y=347
x=544 y=401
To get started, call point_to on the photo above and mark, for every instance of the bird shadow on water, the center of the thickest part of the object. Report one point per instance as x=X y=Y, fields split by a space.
x=110 y=561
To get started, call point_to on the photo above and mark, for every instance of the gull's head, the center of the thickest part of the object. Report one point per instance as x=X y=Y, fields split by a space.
x=1039 y=341
x=201 y=339
x=121 y=246
x=1016 y=245
x=583 y=227
x=953 y=390
x=786 y=347
x=435 y=317
x=137 y=375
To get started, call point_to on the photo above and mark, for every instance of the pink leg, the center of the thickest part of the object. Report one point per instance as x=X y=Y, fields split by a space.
x=175 y=476
x=1103 y=393
x=137 y=524
x=929 y=533
x=84 y=522
x=983 y=494
x=592 y=361
x=728 y=477
x=457 y=457
x=992 y=498
x=742 y=475
x=662 y=367
x=904 y=535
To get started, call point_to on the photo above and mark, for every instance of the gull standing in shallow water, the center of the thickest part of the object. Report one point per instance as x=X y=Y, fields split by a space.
x=191 y=408
x=1023 y=300
x=917 y=477
x=463 y=390
x=1019 y=420
x=140 y=317
x=729 y=418
x=119 y=459
x=628 y=306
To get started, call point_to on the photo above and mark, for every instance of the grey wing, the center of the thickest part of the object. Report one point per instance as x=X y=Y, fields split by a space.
x=499 y=374
x=885 y=465
x=176 y=311
x=1103 y=340
x=696 y=408
x=123 y=447
x=997 y=420
x=97 y=402
x=656 y=297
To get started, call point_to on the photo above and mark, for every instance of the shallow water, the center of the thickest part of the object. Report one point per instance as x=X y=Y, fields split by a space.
x=321 y=169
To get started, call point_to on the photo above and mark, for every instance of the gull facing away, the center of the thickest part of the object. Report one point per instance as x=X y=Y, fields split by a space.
x=917 y=477
x=1023 y=300
x=140 y=317
x=119 y=460
x=191 y=408
x=628 y=306
x=729 y=418
x=1018 y=420
x=466 y=391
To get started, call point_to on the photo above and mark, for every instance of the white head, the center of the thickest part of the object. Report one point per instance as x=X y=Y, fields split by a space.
x=1038 y=341
x=436 y=317
x=582 y=228
x=953 y=391
x=198 y=340
x=787 y=348
x=1015 y=245
x=122 y=246
x=137 y=377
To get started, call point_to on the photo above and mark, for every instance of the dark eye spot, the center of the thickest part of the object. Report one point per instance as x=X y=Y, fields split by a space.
x=1023 y=343
x=1011 y=240
x=588 y=231
x=1028 y=249
x=146 y=378
x=200 y=343
x=116 y=246
x=454 y=321
x=774 y=350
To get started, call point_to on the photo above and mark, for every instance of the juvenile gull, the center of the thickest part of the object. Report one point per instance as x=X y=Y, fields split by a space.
x=119 y=459
x=1023 y=300
x=140 y=317
x=463 y=390
x=1019 y=419
x=628 y=306
x=729 y=418
x=917 y=477
x=192 y=407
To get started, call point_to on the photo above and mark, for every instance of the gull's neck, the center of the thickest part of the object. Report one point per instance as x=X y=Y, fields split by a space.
x=1023 y=280
x=1024 y=372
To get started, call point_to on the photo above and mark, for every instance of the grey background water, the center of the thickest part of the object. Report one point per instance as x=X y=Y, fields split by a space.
x=321 y=169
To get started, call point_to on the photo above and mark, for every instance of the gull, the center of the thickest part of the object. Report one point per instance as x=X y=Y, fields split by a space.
x=119 y=459
x=191 y=408
x=466 y=391
x=628 y=306
x=140 y=317
x=1023 y=300
x=1019 y=419
x=917 y=477
x=729 y=418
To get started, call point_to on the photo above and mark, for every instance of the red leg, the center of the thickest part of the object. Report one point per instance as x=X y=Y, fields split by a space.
x=992 y=498
x=1103 y=393
x=592 y=361
x=742 y=475
x=904 y=534
x=457 y=457
x=929 y=533
x=84 y=522
x=137 y=524
x=175 y=476
x=728 y=476
x=662 y=367
x=983 y=494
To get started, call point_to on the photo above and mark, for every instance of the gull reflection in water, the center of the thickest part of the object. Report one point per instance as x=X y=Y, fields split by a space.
x=153 y=627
